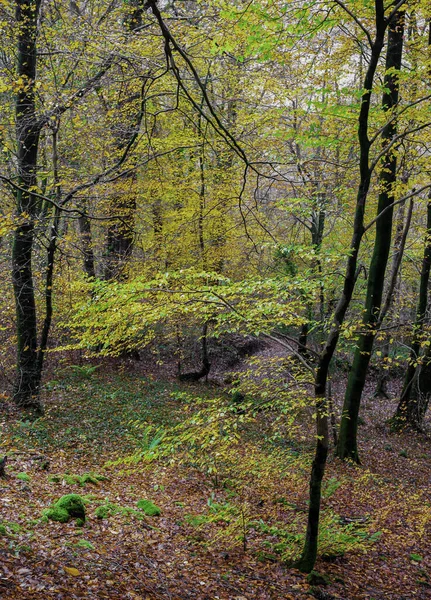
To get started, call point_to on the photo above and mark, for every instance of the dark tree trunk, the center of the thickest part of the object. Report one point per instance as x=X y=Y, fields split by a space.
x=84 y=225
x=392 y=292
x=309 y=553
x=206 y=365
x=52 y=247
x=120 y=237
x=317 y=228
x=347 y=441
x=407 y=412
x=26 y=388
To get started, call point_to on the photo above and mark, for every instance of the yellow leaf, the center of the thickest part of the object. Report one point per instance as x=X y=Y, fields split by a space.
x=72 y=571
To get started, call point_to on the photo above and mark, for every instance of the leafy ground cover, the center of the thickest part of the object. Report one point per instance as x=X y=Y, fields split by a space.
x=222 y=521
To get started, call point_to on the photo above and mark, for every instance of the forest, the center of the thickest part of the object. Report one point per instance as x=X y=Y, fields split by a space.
x=215 y=323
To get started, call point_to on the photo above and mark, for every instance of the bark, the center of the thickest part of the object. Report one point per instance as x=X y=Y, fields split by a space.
x=26 y=387
x=347 y=442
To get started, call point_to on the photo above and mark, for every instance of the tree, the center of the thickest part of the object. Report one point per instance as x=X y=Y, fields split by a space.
x=347 y=440
x=29 y=125
x=415 y=394
x=28 y=128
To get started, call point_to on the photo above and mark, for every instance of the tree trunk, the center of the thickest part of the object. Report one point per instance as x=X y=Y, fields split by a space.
x=407 y=411
x=309 y=553
x=120 y=235
x=26 y=388
x=52 y=247
x=392 y=292
x=347 y=441
x=84 y=225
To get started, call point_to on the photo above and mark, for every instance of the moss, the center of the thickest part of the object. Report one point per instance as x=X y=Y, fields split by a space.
x=85 y=544
x=66 y=508
x=57 y=514
x=108 y=509
x=104 y=511
x=91 y=478
x=150 y=509
x=3 y=530
x=23 y=477
x=70 y=479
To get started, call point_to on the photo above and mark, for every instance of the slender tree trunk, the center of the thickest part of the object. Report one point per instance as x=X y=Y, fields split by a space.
x=121 y=235
x=84 y=225
x=26 y=388
x=415 y=395
x=407 y=412
x=392 y=292
x=309 y=553
x=52 y=247
x=347 y=441
x=317 y=228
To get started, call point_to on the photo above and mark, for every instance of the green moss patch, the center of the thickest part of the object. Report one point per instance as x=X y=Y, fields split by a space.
x=66 y=508
x=150 y=509
x=82 y=480
x=85 y=544
x=109 y=509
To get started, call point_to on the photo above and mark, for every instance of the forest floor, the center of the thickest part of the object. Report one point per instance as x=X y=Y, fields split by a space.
x=227 y=536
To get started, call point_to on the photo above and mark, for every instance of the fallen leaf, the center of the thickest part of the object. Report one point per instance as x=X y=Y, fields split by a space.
x=72 y=571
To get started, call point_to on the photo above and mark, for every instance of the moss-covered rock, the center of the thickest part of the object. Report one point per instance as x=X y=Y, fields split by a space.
x=70 y=506
x=150 y=509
